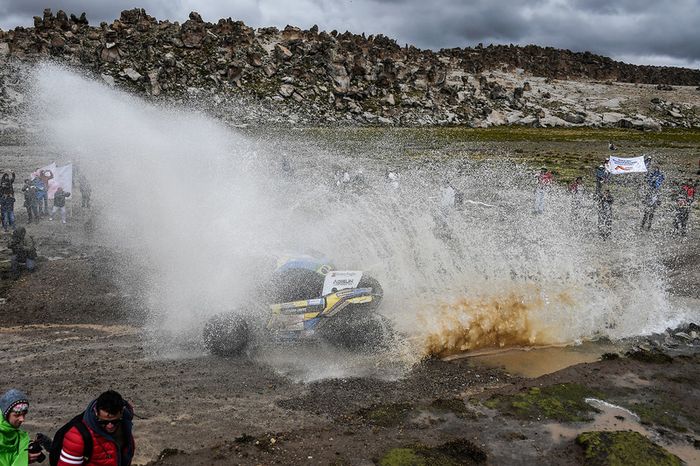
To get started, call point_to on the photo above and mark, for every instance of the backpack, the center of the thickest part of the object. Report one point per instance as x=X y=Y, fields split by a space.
x=57 y=443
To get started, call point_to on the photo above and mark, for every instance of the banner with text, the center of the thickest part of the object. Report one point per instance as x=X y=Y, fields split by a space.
x=617 y=165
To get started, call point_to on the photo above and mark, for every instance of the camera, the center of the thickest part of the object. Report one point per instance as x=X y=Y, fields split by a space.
x=35 y=446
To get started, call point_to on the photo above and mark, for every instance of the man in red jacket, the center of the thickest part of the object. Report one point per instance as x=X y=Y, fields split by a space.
x=108 y=418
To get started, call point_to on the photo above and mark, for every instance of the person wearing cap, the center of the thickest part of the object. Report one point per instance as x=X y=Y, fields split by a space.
x=601 y=177
x=14 y=442
x=109 y=420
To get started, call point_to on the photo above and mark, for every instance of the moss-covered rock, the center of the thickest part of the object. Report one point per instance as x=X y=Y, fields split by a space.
x=455 y=406
x=621 y=448
x=454 y=453
x=654 y=357
x=661 y=412
x=402 y=457
x=387 y=415
x=561 y=402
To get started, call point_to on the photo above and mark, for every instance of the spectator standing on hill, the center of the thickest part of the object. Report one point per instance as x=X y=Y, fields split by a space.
x=652 y=196
x=59 y=203
x=544 y=183
x=577 y=191
x=109 y=420
x=601 y=178
x=605 y=214
x=30 y=202
x=7 y=210
x=45 y=176
x=41 y=195
x=6 y=182
x=85 y=191
x=680 y=221
x=689 y=189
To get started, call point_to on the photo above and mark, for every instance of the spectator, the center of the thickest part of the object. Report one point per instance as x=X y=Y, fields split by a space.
x=7 y=210
x=680 y=221
x=45 y=176
x=602 y=176
x=14 y=442
x=109 y=420
x=59 y=203
x=605 y=214
x=30 y=202
x=655 y=179
x=23 y=251
x=6 y=183
x=689 y=188
x=85 y=191
x=647 y=162
x=576 y=190
x=41 y=196
x=652 y=196
x=544 y=182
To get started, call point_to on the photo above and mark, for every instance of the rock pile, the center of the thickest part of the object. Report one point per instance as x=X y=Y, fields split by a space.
x=317 y=77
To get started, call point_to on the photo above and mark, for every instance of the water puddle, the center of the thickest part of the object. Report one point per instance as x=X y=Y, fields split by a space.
x=615 y=418
x=537 y=361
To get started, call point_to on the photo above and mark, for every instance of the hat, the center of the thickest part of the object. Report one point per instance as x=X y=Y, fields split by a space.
x=10 y=399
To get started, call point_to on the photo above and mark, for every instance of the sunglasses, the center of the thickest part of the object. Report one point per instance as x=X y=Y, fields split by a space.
x=20 y=412
x=105 y=422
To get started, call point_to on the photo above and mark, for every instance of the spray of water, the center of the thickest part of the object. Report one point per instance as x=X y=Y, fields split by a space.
x=199 y=210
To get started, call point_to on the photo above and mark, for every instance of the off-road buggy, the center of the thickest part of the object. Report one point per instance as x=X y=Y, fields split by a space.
x=306 y=300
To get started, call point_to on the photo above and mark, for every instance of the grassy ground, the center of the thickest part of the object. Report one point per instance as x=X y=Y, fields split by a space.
x=567 y=152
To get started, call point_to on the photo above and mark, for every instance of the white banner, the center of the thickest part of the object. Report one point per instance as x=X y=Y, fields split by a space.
x=617 y=165
x=62 y=178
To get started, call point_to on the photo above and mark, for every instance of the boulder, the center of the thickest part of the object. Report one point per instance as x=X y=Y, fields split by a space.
x=132 y=74
x=286 y=90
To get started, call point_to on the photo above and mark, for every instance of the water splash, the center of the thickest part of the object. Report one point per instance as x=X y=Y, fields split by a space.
x=200 y=209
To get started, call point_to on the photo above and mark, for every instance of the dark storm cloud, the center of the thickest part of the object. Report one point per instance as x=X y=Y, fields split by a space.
x=638 y=31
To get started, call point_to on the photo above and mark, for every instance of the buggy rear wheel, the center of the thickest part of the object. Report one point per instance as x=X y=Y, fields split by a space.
x=226 y=335
x=367 y=333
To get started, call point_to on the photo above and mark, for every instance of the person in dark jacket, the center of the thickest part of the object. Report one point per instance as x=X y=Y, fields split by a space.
x=23 y=251
x=109 y=420
x=85 y=191
x=7 y=210
x=680 y=221
x=605 y=214
x=59 y=203
x=602 y=176
x=577 y=192
x=6 y=183
x=30 y=201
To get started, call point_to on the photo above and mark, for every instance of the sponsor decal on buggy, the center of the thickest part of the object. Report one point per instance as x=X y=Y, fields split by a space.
x=341 y=280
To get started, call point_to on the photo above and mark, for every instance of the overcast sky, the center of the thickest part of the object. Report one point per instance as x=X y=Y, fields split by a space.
x=655 y=32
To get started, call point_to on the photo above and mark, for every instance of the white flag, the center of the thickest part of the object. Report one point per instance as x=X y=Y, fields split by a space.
x=617 y=165
x=62 y=178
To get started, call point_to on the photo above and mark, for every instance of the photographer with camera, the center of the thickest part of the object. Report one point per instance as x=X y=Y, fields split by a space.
x=15 y=447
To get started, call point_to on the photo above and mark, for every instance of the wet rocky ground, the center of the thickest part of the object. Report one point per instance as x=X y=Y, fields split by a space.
x=69 y=332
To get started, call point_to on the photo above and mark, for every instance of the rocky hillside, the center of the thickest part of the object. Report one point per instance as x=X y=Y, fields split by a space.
x=317 y=77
